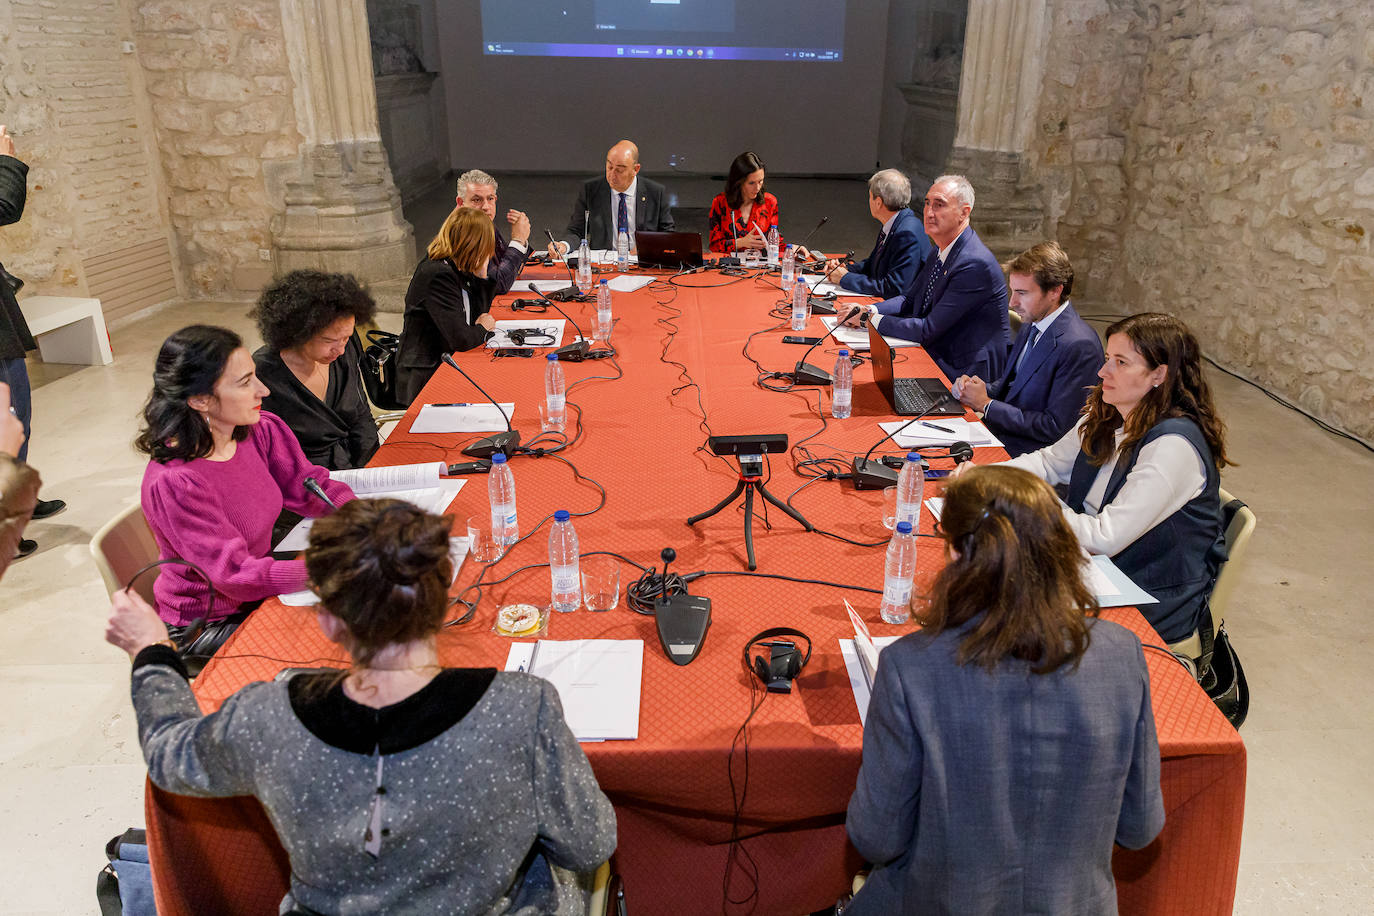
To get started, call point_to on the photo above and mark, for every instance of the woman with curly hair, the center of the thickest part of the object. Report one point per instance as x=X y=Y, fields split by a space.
x=1010 y=742
x=311 y=362
x=1142 y=468
x=397 y=785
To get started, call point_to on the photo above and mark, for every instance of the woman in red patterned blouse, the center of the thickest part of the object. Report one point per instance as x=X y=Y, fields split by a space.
x=741 y=217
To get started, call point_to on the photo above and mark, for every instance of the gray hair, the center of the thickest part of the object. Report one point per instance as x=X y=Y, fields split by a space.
x=891 y=187
x=472 y=177
x=959 y=188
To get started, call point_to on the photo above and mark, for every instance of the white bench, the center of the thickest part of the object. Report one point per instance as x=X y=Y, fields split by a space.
x=68 y=330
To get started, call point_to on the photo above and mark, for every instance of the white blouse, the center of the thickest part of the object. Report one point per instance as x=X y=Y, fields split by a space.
x=1168 y=473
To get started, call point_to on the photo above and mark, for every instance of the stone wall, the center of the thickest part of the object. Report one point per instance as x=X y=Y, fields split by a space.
x=223 y=101
x=1216 y=160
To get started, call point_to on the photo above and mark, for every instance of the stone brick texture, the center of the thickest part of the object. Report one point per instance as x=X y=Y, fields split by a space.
x=1216 y=160
x=221 y=93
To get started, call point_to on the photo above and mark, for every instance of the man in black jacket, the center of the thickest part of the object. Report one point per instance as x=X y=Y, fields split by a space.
x=621 y=200
x=15 y=339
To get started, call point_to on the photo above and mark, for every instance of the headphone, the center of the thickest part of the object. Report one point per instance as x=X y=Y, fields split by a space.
x=784 y=663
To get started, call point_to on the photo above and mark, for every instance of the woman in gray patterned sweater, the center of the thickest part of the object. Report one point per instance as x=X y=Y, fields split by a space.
x=398 y=786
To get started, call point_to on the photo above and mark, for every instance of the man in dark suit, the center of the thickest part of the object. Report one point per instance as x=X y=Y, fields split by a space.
x=15 y=338
x=956 y=307
x=901 y=245
x=478 y=189
x=620 y=200
x=1054 y=361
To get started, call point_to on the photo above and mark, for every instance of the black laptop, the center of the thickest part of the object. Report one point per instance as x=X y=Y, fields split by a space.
x=909 y=397
x=669 y=250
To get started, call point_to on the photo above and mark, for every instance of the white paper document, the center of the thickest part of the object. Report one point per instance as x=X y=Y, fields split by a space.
x=457 y=550
x=858 y=680
x=463 y=418
x=598 y=682
x=924 y=432
x=857 y=338
x=626 y=283
x=821 y=289
x=1112 y=587
x=546 y=332
x=418 y=484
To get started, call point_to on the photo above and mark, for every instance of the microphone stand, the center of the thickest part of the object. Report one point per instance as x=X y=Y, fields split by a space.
x=807 y=374
x=802 y=243
x=574 y=352
x=568 y=293
x=506 y=442
x=874 y=475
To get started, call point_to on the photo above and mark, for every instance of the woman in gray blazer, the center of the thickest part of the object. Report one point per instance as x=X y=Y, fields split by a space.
x=1010 y=742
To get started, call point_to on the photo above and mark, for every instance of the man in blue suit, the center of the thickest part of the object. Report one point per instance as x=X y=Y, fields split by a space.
x=1054 y=361
x=956 y=307
x=901 y=245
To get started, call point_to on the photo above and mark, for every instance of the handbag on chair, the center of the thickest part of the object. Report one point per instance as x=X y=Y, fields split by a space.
x=379 y=369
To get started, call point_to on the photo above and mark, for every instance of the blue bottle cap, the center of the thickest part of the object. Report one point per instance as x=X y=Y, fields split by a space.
x=913 y=456
x=844 y=352
x=562 y=516
x=498 y=458
x=603 y=282
x=552 y=356
x=904 y=527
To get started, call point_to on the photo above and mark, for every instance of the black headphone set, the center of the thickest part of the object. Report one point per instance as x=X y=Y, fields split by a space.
x=520 y=336
x=784 y=663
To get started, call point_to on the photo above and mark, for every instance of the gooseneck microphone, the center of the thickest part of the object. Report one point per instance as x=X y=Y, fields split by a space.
x=505 y=442
x=568 y=293
x=807 y=374
x=874 y=475
x=314 y=487
x=802 y=243
x=576 y=351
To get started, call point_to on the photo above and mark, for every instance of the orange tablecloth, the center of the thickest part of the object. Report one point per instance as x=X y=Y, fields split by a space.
x=671 y=787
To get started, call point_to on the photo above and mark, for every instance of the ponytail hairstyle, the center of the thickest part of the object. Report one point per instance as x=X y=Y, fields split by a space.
x=1015 y=575
x=745 y=164
x=188 y=365
x=1161 y=340
x=382 y=567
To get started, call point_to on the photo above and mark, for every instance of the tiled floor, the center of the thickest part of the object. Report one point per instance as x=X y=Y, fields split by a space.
x=69 y=760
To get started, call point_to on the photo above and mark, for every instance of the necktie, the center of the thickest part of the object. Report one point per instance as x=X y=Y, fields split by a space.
x=1034 y=336
x=936 y=273
x=878 y=248
x=622 y=217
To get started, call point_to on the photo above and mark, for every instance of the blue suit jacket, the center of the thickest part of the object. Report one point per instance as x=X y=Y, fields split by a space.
x=1043 y=401
x=965 y=328
x=888 y=273
x=1003 y=791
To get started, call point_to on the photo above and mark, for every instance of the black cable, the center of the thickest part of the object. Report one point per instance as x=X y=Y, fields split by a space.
x=692 y=577
x=738 y=855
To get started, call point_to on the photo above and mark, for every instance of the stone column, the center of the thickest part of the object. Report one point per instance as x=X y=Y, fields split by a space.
x=999 y=95
x=343 y=212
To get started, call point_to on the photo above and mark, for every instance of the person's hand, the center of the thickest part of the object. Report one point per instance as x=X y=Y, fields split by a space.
x=556 y=250
x=520 y=227
x=486 y=322
x=133 y=625
x=802 y=253
x=11 y=430
x=960 y=468
x=835 y=271
x=972 y=392
x=851 y=320
x=753 y=239
x=6 y=142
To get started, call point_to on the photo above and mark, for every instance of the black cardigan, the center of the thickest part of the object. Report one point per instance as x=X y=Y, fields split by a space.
x=435 y=321
x=339 y=431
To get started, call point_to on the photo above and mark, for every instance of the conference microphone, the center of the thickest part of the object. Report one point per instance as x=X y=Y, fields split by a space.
x=567 y=293
x=506 y=442
x=314 y=487
x=874 y=475
x=802 y=243
x=574 y=352
x=806 y=374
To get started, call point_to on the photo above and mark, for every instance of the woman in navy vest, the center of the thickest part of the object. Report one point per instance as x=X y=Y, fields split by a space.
x=1142 y=469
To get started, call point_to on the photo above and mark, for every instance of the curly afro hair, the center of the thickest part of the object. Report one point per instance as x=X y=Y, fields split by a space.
x=304 y=302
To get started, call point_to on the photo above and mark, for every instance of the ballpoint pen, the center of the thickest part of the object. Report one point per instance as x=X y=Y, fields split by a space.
x=943 y=429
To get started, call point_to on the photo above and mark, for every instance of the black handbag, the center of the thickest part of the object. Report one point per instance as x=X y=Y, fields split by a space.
x=1223 y=677
x=379 y=369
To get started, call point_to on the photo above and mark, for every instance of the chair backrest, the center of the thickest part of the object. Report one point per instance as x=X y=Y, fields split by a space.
x=122 y=547
x=1239 y=522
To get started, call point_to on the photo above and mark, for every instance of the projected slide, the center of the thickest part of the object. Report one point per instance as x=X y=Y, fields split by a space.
x=666 y=29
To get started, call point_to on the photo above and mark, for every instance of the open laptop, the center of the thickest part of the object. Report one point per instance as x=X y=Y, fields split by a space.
x=670 y=250
x=909 y=397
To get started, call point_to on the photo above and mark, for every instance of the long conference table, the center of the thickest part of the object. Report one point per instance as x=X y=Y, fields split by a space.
x=642 y=439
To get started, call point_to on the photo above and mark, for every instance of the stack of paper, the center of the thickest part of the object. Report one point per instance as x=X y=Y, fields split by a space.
x=1112 y=587
x=857 y=338
x=543 y=333
x=418 y=484
x=463 y=418
x=861 y=656
x=598 y=682
x=625 y=283
x=929 y=432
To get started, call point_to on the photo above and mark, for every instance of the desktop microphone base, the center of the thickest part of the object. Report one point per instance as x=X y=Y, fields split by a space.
x=505 y=443
x=873 y=475
x=573 y=352
x=682 y=624
x=807 y=374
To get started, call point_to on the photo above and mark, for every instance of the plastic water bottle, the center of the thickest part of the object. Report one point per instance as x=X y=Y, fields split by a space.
x=603 y=311
x=773 y=238
x=505 y=528
x=584 y=268
x=842 y=388
x=622 y=251
x=555 y=392
x=898 y=576
x=801 y=305
x=563 y=564
x=911 y=491
x=788 y=262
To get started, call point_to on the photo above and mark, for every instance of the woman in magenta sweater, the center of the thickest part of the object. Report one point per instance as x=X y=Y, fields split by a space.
x=222 y=470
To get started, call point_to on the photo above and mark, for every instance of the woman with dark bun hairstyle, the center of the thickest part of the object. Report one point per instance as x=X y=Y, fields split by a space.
x=1142 y=469
x=311 y=360
x=396 y=785
x=222 y=470
x=1010 y=742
